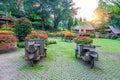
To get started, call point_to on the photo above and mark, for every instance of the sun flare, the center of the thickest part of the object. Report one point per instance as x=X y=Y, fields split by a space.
x=87 y=8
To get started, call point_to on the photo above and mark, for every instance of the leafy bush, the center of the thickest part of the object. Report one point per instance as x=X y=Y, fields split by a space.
x=22 y=28
x=92 y=35
x=36 y=23
x=21 y=44
x=113 y=37
x=50 y=42
x=109 y=36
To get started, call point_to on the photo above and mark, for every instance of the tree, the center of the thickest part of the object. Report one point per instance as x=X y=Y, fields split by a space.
x=112 y=9
x=70 y=23
x=22 y=28
x=12 y=7
x=61 y=10
x=38 y=11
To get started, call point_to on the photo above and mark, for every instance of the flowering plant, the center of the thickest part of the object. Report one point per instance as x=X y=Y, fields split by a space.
x=7 y=38
x=6 y=32
x=83 y=40
x=7 y=42
x=41 y=35
x=33 y=35
x=67 y=34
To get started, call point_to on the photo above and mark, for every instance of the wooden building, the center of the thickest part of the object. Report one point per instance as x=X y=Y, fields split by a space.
x=84 y=30
x=113 y=30
x=6 y=21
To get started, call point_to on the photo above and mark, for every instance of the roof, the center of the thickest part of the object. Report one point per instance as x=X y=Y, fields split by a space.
x=115 y=30
x=84 y=27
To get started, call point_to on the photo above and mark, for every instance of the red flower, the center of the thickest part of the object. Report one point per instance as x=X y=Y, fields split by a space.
x=41 y=34
x=83 y=40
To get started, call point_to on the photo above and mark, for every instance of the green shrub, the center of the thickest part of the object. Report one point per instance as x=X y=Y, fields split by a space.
x=36 y=23
x=51 y=42
x=118 y=39
x=22 y=28
x=4 y=29
x=109 y=36
x=92 y=35
x=21 y=44
x=114 y=37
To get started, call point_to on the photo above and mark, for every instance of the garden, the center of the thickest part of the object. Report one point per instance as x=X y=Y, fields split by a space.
x=47 y=41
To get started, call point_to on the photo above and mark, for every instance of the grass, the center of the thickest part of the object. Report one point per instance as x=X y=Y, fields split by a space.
x=22 y=56
x=64 y=48
x=108 y=45
x=38 y=67
x=18 y=49
x=67 y=50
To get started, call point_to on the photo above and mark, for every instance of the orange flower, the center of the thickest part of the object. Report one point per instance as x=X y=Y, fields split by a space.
x=83 y=40
x=7 y=38
x=6 y=32
x=41 y=34
x=67 y=34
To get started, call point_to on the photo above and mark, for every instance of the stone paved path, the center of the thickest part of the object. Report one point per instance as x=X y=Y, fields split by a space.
x=113 y=56
x=62 y=66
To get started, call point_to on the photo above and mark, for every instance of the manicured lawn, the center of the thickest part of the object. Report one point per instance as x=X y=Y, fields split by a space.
x=112 y=46
x=65 y=48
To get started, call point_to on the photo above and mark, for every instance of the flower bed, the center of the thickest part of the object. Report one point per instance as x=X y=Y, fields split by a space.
x=6 y=32
x=7 y=41
x=67 y=35
x=41 y=34
x=83 y=40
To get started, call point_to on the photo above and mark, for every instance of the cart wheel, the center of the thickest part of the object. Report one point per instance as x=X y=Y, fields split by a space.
x=31 y=63
x=92 y=62
x=76 y=53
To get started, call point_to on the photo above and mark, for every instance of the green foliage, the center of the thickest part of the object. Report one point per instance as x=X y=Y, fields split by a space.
x=111 y=8
x=70 y=23
x=12 y=7
x=114 y=37
x=20 y=44
x=51 y=42
x=22 y=28
x=3 y=29
x=36 y=23
x=92 y=35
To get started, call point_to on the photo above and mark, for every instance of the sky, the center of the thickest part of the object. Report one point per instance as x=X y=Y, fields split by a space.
x=87 y=8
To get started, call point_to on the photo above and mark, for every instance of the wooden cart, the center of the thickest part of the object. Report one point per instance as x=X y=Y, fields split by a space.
x=87 y=53
x=38 y=49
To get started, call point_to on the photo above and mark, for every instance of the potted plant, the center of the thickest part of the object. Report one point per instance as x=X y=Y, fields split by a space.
x=83 y=40
x=67 y=35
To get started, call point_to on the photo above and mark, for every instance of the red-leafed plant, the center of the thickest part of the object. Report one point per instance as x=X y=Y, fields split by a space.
x=83 y=40
x=7 y=42
x=7 y=38
x=41 y=35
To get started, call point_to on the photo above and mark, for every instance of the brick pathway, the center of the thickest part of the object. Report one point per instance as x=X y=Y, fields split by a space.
x=61 y=67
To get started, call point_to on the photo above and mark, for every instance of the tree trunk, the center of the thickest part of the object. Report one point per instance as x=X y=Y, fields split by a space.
x=42 y=24
x=56 y=25
x=69 y=27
